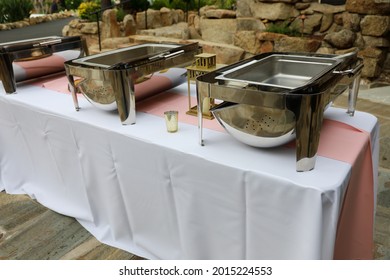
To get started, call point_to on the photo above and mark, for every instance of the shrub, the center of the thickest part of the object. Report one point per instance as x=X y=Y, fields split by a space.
x=72 y=4
x=15 y=10
x=120 y=14
x=192 y=4
x=285 y=27
x=86 y=9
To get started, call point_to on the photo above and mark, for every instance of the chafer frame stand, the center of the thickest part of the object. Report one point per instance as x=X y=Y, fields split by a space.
x=308 y=103
x=113 y=84
x=32 y=49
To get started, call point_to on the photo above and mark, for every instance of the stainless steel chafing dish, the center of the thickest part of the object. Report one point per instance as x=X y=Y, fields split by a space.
x=32 y=49
x=107 y=79
x=272 y=98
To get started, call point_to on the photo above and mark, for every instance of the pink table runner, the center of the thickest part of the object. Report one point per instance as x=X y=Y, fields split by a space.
x=29 y=69
x=343 y=142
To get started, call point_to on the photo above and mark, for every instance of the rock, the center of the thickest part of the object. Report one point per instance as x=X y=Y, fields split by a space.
x=4 y=27
x=302 y=6
x=351 y=21
x=139 y=39
x=250 y=24
x=220 y=13
x=73 y=23
x=129 y=25
x=373 y=53
x=380 y=42
x=334 y=28
x=324 y=50
x=276 y=11
x=345 y=51
x=373 y=25
x=180 y=15
x=296 y=44
x=371 y=68
x=65 y=30
x=325 y=8
x=368 y=7
x=113 y=43
x=203 y=10
x=194 y=33
x=243 y=8
x=226 y=54
x=177 y=31
x=19 y=24
x=247 y=40
x=166 y=16
x=88 y=28
x=311 y=23
x=194 y=20
x=152 y=20
x=110 y=27
x=386 y=64
x=359 y=41
x=36 y=20
x=269 y=36
x=218 y=30
x=343 y=39
x=326 y=22
x=266 y=46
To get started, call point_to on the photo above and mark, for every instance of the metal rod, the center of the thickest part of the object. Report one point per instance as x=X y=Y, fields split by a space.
x=98 y=28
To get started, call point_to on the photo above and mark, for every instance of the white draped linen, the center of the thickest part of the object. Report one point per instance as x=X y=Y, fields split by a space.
x=163 y=196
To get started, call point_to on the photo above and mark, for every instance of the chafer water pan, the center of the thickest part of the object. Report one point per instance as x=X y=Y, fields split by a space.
x=35 y=51
x=107 y=79
x=281 y=71
x=272 y=98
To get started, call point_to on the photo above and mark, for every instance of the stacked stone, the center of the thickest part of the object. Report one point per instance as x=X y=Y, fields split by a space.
x=372 y=33
x=361 y=24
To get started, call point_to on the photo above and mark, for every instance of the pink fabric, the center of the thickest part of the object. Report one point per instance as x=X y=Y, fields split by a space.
x=148 y=88
x=354 y=239
x=59 y=84
x=43 y=66
x=167 y=101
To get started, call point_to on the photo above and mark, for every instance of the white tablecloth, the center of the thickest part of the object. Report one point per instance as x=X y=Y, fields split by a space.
x=163 y=196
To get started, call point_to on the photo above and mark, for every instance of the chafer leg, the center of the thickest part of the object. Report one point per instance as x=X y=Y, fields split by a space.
x=308 y=128
x=73 y=91
x=123 y=87
x=7 y=74
x=352 y=95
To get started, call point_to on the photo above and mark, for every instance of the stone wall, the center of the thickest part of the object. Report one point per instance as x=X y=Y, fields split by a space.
x=359 y=24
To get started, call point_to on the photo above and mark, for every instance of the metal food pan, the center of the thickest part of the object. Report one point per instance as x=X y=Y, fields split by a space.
x=281 y=71
x=127 y=55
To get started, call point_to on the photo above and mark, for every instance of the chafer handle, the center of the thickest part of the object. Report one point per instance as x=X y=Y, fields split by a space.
x=353 y=87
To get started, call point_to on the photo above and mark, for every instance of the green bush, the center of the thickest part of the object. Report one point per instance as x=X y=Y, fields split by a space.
x=136 y=6
x=192 y=4
x=15 y=10
x=120 y=14
x=284 y=27
x=158 y=4
x=72 y=4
